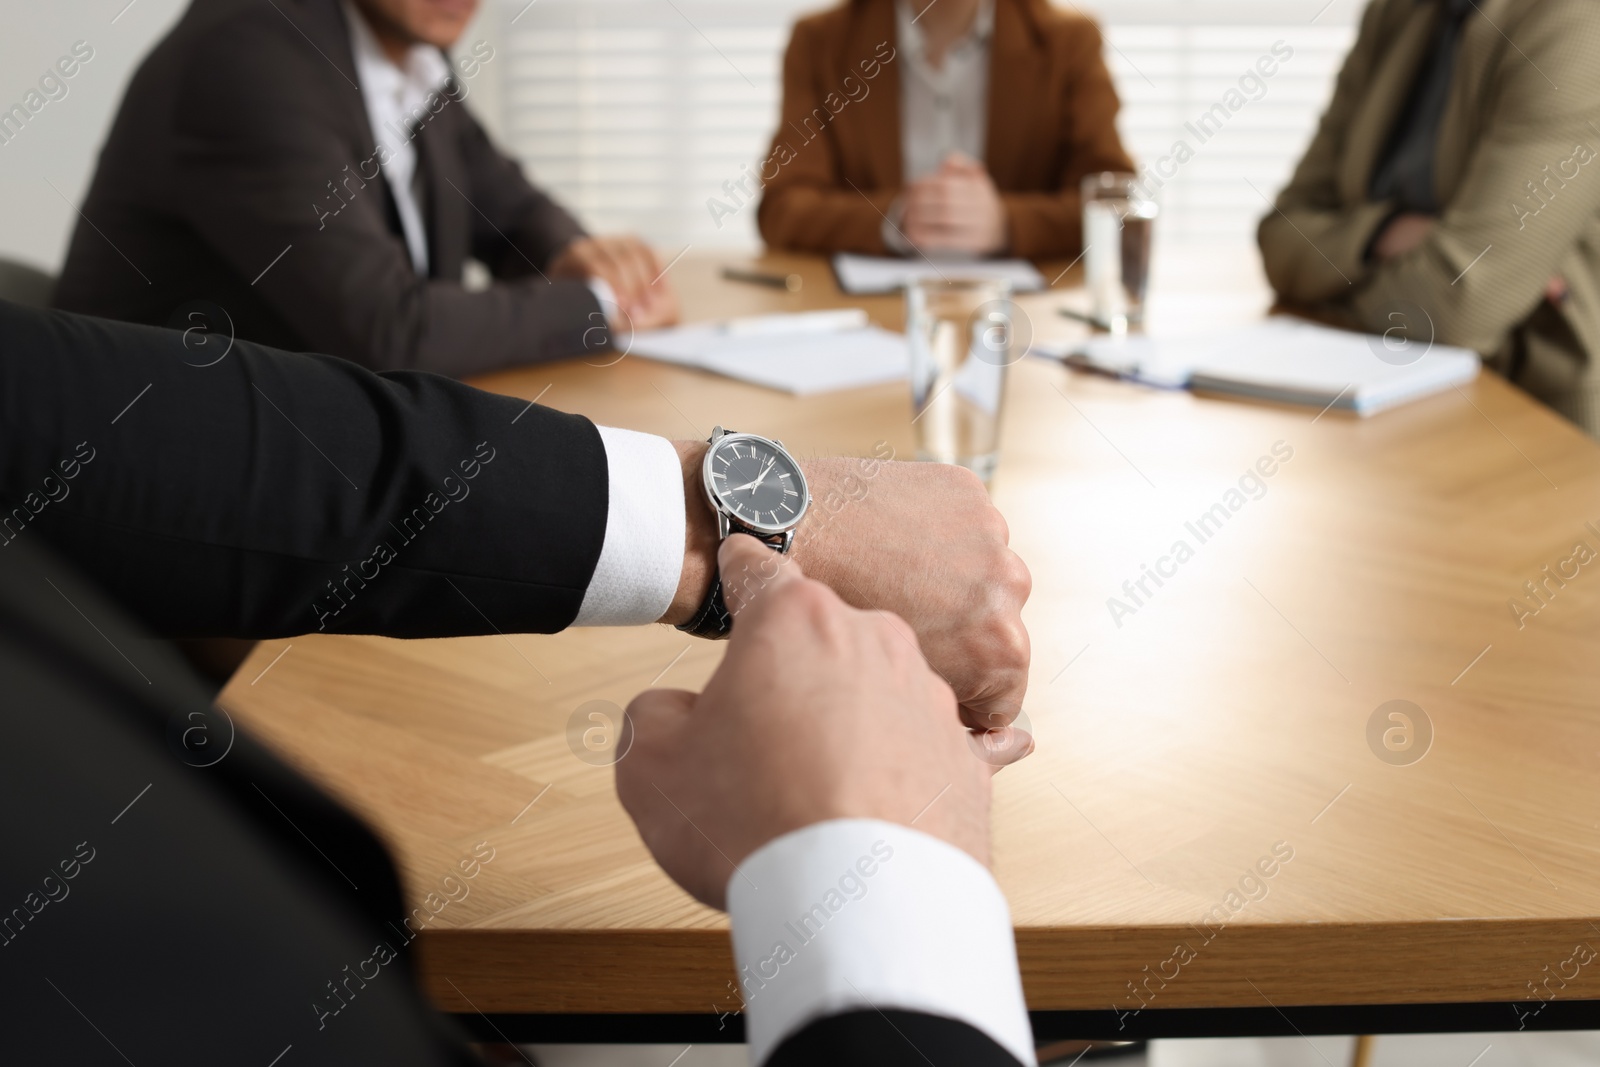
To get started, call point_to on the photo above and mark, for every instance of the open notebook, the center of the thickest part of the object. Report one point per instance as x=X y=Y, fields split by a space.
x=1286 y=360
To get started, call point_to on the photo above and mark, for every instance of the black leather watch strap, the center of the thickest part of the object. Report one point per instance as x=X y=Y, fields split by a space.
x=713 y=621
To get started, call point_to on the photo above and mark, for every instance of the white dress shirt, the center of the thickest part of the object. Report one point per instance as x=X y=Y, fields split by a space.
x=943 y=109
x=641 y=557
x=860 y=915
x=394 y=97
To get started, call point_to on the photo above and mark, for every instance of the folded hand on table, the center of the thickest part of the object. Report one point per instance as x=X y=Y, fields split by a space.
x=955 y=209
x=630 y=267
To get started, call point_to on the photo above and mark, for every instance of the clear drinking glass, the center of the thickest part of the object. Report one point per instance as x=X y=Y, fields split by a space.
x=962 y=335
x=1118 y=215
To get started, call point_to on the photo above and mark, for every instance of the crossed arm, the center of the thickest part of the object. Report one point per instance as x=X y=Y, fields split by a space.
x=1521 y=206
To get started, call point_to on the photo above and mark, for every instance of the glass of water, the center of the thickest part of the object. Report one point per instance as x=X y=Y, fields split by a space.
x=962 y=335
x=1117 y=219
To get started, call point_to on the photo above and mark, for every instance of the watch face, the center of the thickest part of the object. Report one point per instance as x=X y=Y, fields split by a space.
x=757 y=482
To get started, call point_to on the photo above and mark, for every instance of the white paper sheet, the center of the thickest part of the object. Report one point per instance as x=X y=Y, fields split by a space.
x=1288 y=360
x=802 y=363
x=861 y=275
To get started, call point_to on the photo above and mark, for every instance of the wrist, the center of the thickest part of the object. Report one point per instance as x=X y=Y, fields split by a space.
x=832 y=482
x=700 y=537
x=1000 y=235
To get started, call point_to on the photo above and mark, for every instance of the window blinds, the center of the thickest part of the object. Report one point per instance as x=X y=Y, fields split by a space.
x=636 y=112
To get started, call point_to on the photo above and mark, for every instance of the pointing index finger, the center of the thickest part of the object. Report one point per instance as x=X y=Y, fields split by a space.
x=748 y=567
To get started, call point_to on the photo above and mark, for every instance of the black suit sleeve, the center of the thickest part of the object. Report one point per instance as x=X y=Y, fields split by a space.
x=267 y=169
x=260 y=493
x=890 y=1038
x=173 y=891
x=159 y=900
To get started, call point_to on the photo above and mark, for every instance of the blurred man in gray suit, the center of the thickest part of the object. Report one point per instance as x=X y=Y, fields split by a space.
x=307 y=169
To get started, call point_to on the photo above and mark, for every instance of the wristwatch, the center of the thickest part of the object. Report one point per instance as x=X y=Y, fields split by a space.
x=755 y=487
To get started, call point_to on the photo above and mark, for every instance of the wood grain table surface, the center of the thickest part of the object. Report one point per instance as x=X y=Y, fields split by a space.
x=1211 y=819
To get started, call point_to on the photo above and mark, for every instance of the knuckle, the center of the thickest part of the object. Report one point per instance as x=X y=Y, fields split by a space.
x=1006 y=583
x=999 y=527
x=964 y=480
x=1014 y=647
x=991 y=526
x=809 y=601
x=1014 y=577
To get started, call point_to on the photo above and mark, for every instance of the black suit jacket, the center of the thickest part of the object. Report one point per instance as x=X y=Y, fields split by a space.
x=243 y=137
x=265 y=493
x=166 y=886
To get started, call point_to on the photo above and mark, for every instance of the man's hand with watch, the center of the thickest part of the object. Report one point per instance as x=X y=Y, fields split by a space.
x=923 y=543
x=754 y=487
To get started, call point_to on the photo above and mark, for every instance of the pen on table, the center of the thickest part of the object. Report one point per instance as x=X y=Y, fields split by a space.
x=790 y=282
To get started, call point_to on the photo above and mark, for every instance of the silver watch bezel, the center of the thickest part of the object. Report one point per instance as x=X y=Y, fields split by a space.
x=725 y=514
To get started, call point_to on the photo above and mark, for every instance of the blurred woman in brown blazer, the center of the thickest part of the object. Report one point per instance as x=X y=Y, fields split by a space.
x=939 y=126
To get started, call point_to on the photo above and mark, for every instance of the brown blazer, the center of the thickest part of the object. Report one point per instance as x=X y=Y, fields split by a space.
x=241 y=171
x=1052 y=119
x=1517 y=171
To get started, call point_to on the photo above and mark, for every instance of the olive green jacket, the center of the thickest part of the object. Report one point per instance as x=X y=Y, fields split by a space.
x=1517 y=172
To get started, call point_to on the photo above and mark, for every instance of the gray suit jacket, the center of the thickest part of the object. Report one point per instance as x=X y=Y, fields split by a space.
x=244 y=138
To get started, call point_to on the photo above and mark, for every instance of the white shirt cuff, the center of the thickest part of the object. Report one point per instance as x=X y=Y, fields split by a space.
x=603 y=294
x=641 y=558
x=856 y=914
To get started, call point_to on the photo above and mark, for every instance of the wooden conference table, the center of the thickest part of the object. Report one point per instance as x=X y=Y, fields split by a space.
x=1221 y=729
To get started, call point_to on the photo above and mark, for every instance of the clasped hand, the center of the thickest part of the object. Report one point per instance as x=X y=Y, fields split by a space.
x=819 y=711
x=955 y=209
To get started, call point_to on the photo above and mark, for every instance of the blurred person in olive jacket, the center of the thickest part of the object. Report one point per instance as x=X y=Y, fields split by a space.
x=1452 y=192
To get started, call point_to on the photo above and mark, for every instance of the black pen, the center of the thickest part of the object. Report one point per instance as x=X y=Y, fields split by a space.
x=790 y=282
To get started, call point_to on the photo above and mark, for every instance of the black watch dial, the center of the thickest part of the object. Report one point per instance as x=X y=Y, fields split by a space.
x=757 y=483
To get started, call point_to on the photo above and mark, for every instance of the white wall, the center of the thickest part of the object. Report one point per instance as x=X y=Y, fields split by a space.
x=59 y=145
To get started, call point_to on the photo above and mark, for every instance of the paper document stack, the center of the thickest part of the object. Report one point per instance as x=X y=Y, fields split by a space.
x=805 y=353
x=1287 y=360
